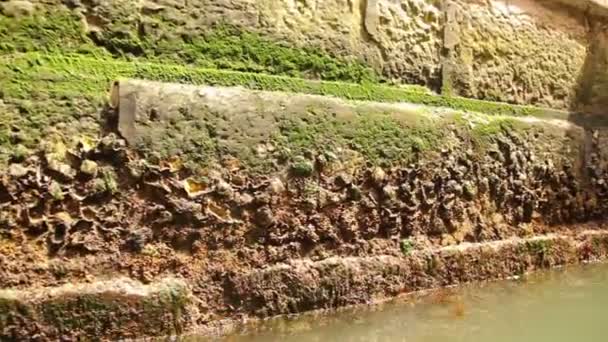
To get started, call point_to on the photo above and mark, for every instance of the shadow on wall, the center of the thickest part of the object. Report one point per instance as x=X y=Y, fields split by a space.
x=590 y=106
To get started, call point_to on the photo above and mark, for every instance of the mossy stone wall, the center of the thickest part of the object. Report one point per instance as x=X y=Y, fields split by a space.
x=58 y=58
x=524 y=52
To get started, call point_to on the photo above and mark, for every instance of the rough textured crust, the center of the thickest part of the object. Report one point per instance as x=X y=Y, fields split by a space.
x=118 y=308
x=243 y=193
x=313 y=166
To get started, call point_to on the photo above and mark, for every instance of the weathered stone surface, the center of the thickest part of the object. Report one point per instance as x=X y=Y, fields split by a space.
x=519 y=52
x=593 y=80
x=401 y=39
x=408 y=35
x=184 y=119
x=112 y=309
x=449 y=159
x=303 y=285
x=17 y=8
x=393 y=194
x=524 y=51
x=270 y=202
x=591 y=7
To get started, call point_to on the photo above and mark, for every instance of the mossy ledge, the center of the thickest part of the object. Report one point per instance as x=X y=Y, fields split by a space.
x=111 y=309
x=62 y=94
x=90 y=75
x=267 y=130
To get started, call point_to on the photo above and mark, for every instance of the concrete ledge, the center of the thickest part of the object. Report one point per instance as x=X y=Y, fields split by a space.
x=169 y=119
x=112 y=309
x=143 y=103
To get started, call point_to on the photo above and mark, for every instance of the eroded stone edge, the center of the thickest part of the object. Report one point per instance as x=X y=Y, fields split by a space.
x=294 y=287
x=304 y=285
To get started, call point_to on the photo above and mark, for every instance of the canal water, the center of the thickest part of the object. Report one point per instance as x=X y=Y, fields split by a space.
x=565 y=305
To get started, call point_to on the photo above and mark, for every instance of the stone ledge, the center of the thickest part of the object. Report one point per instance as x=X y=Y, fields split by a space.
x=110 y=309
x=192 y=120
x=304 y=285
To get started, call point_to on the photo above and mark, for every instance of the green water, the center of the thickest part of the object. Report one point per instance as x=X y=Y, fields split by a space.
x=569 y=305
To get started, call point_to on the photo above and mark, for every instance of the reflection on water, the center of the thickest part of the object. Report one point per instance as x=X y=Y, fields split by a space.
x=569 y=305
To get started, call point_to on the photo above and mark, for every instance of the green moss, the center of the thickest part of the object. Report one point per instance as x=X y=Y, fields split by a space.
x=381 y=138
x=599 y=243
x=107 y=314
x=301 y=167
x=44 y=91
x=173 y=299
x=69 y=75
x=109 y=184
x=540 y=248
x=55 y=75
x=49 y=90
x=493 y=127
x=12 y=310
x=36 y=101
x=57 y=31
x=227 y=47
x=125 y=35
x=482 y=129
x=406 y=246
x=111 y=315
x=60 y=32
x=55 y=191
x=19 y=153
x=85 y=312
